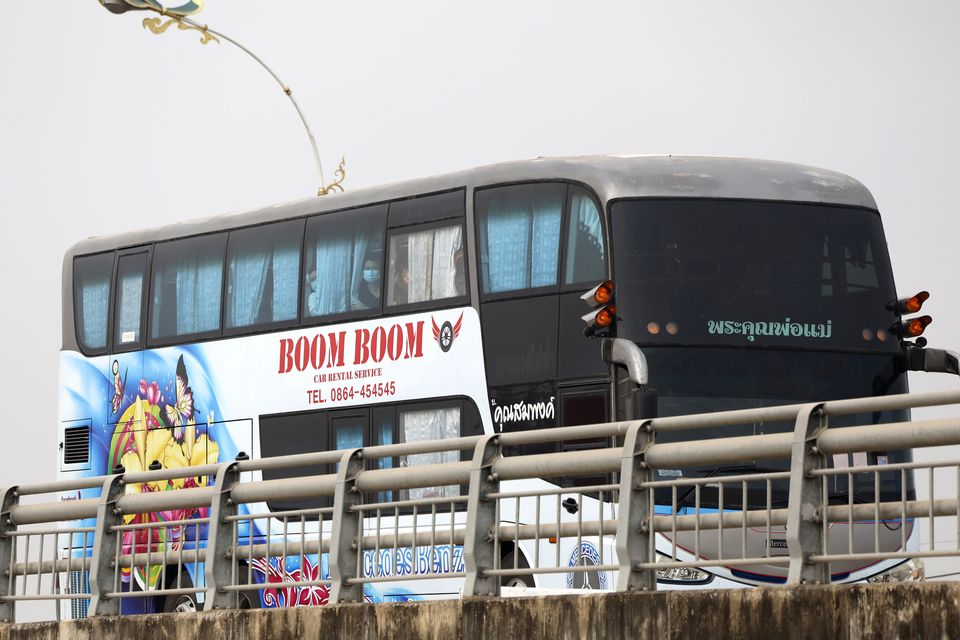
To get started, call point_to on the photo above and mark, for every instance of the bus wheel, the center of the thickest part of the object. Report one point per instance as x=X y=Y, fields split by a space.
x=516 y=581
x=184 y=602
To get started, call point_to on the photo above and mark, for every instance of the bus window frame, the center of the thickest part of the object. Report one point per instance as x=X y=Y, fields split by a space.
x=73 y=289
x=559 y=287
x=303 y=320
x=466 y=404
x=564 y=245
x=139 y=345
x=254 y=329
x=432 y=304
x=190 y=338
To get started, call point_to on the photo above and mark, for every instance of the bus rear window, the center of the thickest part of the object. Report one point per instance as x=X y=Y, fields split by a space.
x=751 y=273
x=91 y=299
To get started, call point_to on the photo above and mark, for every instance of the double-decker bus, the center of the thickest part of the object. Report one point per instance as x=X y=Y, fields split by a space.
x=452 y=306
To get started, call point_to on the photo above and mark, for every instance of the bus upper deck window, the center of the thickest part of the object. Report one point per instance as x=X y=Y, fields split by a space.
x=130 y=275
x=426 y=264
x=187 y=282
x=519 y=236
x=342 y=262
x=263 y=274
x=585 y=246
x=91 y=295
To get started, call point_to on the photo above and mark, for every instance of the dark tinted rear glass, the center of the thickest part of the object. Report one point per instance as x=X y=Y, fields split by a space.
x=752 y=274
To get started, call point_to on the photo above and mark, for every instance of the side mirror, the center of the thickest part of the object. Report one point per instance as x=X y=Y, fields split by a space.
x=640 y=401
x=933 y=360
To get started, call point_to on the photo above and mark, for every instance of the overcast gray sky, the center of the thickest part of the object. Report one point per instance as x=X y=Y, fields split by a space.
x=105 y=127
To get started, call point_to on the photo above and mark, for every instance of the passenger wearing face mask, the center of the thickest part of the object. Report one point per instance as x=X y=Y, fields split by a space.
x=367 y=295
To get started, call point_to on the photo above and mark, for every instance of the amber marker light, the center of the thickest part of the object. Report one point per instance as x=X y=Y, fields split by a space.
x=600 y=295
x=605 y=316
x=867 y=334
x=913 y=303
x=653 y=328
x=604 y=292
x=673 y=328
x=882 y=335
x=916 y=326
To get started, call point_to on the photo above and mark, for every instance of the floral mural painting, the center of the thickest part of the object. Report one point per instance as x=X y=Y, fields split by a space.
x=280 y=596
x=153 y=431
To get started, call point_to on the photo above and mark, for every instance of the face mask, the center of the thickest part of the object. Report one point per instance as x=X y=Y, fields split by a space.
x=371 y=275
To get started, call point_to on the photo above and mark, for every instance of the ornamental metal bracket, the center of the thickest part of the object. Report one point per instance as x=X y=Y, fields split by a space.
x=156 y=27
x=337 y=185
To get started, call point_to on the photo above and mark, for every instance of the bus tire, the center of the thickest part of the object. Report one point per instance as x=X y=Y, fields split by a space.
x=184 y=602
x=516 y=581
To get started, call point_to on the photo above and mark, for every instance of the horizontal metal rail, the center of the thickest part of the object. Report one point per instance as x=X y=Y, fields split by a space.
x=454 y=519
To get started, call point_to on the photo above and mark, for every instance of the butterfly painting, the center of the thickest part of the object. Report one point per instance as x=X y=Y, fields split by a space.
x=181 y=411
x=118 y=386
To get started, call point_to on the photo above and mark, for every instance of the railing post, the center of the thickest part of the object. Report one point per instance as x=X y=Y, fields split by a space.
x=220 y=558
x=105 y=543
x=346 y=533
x=634 y=522
x=805 y=509
x=479 y=547
x=10 y=499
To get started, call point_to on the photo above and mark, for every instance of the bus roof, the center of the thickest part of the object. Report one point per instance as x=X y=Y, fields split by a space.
x=612 y=177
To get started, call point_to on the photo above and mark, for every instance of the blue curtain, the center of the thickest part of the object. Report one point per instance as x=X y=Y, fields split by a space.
x=522 y=241
x=333 y=262
x=248 y=275
x=129 y=305
x=286 y=282
x=95 y=299
x=198 y=295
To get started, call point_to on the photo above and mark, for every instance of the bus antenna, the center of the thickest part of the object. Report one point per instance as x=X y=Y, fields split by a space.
x=178 y=15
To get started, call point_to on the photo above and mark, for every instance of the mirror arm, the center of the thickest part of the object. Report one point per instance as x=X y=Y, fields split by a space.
x=932 y=360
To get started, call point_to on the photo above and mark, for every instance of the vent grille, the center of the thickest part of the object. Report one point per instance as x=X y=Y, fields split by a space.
x=76 y=445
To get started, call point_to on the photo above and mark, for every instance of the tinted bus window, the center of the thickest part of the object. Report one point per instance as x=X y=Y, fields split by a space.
x=519 y=236
x=752 y=274
x=343 y=261
x=426 y=264
x=585 y=249
x=91 y=299
x=130 y=276
x=263 y=274
x=187 y=283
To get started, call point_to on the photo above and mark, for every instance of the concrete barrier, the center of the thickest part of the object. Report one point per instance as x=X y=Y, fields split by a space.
x=923 y=610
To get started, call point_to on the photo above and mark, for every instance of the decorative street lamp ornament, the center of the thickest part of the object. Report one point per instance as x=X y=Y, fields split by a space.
x=178 y=14
x=183 y=9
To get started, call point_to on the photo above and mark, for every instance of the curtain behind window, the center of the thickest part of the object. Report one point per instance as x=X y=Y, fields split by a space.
x=187 y=283
x=130 y=299
x=96 y=298
x=248 y=275
x=431 y=263
x=91 y=276
x=520 y=236
x=337 y=246
x=430 y=424
x=263 y=274
x=198 y=294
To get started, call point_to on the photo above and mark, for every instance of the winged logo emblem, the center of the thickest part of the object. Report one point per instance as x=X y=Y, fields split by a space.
x=446 y=333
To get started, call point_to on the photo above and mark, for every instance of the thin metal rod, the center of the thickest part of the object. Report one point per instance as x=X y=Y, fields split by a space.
x=285 y=87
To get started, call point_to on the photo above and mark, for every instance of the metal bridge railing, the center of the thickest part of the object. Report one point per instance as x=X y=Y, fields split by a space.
x=812 y=519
